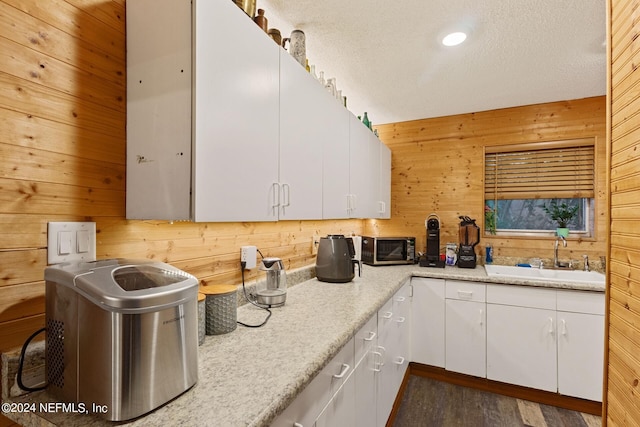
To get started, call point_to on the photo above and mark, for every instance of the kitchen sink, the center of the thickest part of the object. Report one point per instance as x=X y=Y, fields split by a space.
x=572 y=276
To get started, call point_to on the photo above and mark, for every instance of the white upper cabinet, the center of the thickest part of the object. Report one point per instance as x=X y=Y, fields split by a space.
x=236 y=117
x=384 y=201
x=364 y=158
x=158 y=110
x=310 y=118
x=223 y=125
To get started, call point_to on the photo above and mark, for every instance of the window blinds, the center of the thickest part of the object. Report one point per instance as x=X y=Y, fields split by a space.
x=547 y=170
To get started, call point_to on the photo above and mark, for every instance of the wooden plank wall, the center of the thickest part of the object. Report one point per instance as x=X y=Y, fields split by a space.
x=62 y=142
x=437 y=166
x=623 y=395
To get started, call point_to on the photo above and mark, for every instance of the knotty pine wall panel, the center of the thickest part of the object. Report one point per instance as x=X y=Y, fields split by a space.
x=437 y=167
x=623 y=361
x=63 y=148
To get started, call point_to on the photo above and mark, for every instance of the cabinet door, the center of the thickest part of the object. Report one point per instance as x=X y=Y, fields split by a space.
x=363 y=176
x=393 y=336
x=335 y=166
x=340 y=411
x=427 y=321
x=236 y=116
x=306 y=121
x=580 y=355
x=521 y=346
x=159 y=110
x=384 y=201
x=365 y=376
x=466 y=337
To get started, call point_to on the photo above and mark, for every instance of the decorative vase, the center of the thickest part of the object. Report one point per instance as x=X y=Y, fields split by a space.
x=261 y=20
x=297 y=46
x=562 y=232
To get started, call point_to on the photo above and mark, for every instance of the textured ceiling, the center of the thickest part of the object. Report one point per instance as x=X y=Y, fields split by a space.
x=387 y=58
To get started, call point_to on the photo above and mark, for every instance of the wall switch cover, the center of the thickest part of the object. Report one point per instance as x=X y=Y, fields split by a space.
x=71 y=241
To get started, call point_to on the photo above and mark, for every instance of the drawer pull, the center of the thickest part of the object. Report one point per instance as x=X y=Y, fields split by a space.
x=379 y=364
x=399 y=360
x=400 y=299
x=465 y=294
x=401 y=320
x=343 y=372
x=387 y=315
x=372 y=335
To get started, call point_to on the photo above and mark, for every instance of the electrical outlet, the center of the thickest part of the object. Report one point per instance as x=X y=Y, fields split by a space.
x=248 y=256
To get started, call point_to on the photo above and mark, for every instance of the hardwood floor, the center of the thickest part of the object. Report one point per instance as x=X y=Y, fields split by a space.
x=427 y=402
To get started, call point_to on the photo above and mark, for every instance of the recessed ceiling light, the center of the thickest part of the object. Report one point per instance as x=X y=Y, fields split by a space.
x=454 y=39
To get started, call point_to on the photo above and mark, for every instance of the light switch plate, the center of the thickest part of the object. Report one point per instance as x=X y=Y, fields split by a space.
x=71 y=241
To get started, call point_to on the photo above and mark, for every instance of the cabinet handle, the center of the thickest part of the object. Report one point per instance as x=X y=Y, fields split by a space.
x=399 y=360
x=400 y=299
x=564 y=327
x=275 y=187
x=481 y=317
x=384 y=352
x=401 y=320
x=372 y=335
x=465 y=294
x=343 y=372
x=551 y=325
x=381 y=207
x=286 y=195
x=354 y=202
x=380 y=364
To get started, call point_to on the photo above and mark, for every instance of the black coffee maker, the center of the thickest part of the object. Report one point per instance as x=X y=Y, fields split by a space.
x=432 y=259
x=469 y=234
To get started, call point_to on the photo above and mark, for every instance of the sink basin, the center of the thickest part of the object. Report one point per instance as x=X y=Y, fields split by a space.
x=570 y=276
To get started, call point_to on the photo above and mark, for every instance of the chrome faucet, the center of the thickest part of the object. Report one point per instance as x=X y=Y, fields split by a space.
x=556 y=262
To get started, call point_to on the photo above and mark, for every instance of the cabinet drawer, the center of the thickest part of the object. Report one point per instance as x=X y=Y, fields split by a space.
x=581 y=302
x=468 y=291
x=309 y=403
x=365 y=338
x=522 y=296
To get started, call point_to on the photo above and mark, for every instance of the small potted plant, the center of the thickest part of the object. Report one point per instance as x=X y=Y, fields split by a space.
x=489 y=220
x=562 y=214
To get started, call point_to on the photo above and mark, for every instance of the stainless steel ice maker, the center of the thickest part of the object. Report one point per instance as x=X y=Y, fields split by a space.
x=122 y=335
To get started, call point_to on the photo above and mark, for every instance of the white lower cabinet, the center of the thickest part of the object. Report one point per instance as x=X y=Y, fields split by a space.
x=394 y=320
x=466 y=332
x=359 y=386
x=341 y=409
x=546 y=339
x=580 y=344
x=314 y=399
x=427 y=321
x=365 y=374
x=521 y=346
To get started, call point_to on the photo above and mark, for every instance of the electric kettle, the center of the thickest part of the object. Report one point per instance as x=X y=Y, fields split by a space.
x=336 y=260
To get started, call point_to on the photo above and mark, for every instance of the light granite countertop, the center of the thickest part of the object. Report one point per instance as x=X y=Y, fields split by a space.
x=249 y=376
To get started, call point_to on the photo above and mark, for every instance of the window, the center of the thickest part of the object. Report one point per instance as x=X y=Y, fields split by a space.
x=521 y=179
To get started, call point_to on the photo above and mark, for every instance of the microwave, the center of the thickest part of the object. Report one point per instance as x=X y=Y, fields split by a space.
x=388 y=250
